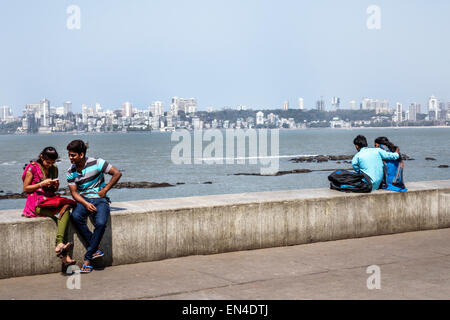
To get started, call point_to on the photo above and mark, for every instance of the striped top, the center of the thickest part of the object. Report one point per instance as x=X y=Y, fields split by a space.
x=92 y=178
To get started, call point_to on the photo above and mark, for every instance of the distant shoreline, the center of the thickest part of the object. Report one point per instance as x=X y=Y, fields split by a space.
x=410 y=127
x=283 y=129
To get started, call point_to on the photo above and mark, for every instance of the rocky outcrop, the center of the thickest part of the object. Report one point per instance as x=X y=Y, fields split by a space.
x=282 y=173
x=120 y=185
x=142 y=185
x=337 y=158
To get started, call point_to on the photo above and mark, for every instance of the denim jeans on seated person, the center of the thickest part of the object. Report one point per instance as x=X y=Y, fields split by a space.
x=79 y=216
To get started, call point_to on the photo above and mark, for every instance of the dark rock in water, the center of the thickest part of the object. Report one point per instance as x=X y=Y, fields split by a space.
x=347 y=161
x=342 y=157
x=281 y=173
x=142 y=185
x=120 y=185
x=443 y=166
x=207 y=182
x=406 y=157
x=322 y=158
x=11 y=195
x=338 y=162
x=430 y=159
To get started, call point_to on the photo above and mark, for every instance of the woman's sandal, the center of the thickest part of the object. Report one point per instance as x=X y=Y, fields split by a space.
x=60 y=250
x=86 y=269
x=64 y=250
x=66 y=264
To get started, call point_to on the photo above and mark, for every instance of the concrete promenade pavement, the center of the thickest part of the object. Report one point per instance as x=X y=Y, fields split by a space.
x=414 y=265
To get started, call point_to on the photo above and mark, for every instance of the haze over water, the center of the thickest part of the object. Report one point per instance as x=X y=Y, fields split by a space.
x=147 y=157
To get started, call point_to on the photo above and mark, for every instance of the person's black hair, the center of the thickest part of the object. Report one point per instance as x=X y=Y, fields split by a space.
x=387 y=143
x=360 y=141
x=77 y=146
x=49 y=153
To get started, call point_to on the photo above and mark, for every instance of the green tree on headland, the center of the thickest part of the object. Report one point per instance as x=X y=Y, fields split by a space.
x=11 y=127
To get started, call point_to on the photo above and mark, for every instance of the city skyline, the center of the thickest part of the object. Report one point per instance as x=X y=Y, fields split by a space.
x=256 y=53
x=333 y=104
x=44 y=118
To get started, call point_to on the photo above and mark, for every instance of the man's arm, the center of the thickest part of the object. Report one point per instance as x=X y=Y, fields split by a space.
x=355 y=163
x=78 y=198
x=388 y=155
x=116 y=174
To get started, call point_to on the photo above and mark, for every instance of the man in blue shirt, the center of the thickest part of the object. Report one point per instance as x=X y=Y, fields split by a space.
x=87 y=185
x=370 y=160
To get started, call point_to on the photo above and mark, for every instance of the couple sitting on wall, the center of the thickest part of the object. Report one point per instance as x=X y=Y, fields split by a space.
x=88 y=188
x=375 y=168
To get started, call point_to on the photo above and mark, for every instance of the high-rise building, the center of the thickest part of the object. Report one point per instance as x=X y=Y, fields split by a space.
x=175 y=106
x=98 y=108
x=5 y=113
x=67 y=107
x=127 y=110
x=433 y=108
x=84 y=113
x=352 y=105
x=45 y=112
x=381 y=106
x=300 y=104
x=286 y=105
x=186 y=105
x=442 y=111
x=157 y=108
x=366 y=104
x=335 y=103
x=320 y=105
x=418 y=108
x=398 y=116
x=412 y=112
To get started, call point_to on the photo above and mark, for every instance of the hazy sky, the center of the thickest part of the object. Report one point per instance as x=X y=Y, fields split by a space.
x=257 y=53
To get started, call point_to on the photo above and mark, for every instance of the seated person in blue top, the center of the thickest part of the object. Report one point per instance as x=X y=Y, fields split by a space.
x=393 y=174
x=370 y=160
x=87 y=185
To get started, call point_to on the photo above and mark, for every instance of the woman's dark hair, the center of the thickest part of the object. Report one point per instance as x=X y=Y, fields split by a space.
x=49 y=153
x=360 y=141
x=387 y=143
x=77 y=146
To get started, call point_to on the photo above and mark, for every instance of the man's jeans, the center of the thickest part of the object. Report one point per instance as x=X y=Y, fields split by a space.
x=79 y=216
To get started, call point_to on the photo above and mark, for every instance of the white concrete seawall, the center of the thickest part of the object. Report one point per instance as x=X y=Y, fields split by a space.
x=158 y=229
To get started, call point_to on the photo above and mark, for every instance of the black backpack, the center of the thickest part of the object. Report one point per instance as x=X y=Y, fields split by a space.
x=349 y=181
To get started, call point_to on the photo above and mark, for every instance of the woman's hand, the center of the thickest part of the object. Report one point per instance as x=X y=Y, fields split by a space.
x=46 y=183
